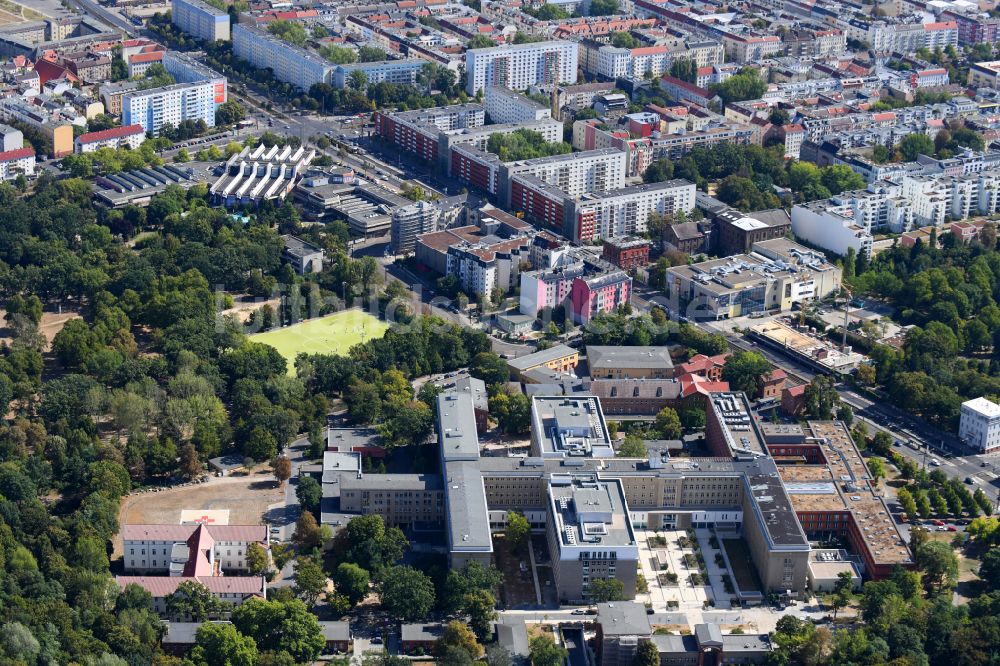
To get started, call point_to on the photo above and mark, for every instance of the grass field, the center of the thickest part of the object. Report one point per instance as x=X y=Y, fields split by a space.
x=333 y=334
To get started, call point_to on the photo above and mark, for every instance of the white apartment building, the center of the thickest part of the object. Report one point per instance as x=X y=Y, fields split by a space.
x=163 y=549
x=383 y=71
x=509 y=106
x=408 y=222
x=614 y=62
x=520 y=66
x=481 y=267
x=576 y=173
x=898 y=205
x=155 y=107
x=300 y=67
x=626 y=211
x=201 y=20
x=979 y=426
x=20 y=161
x=186 y=69
x=116 y=137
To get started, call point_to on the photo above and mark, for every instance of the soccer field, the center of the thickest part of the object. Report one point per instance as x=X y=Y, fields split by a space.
x=333 y=334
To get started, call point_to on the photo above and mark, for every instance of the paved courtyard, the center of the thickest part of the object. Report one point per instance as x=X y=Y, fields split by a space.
x=660 y=553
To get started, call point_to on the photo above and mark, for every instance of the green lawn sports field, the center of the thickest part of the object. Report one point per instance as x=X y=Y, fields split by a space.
x=333 y=334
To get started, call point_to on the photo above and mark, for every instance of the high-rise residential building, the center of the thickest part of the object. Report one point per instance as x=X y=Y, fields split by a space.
x=185 y=68
x=521 y=65
x=980 y=425
x=173 y=104
x=408 y=222
x=201 y=20
x=509 y=106
x=291 y=64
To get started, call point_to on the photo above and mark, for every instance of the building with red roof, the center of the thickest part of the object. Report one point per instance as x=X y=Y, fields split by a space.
x=159 y=558
x=138 y=63
x=131 y=136
x=14 y=163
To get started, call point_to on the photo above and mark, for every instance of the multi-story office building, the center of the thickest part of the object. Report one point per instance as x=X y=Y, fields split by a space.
x=626 y=252
x=201 y=20
x=979 y=426
x=509 y=106
x=777 y=274
x=589 y=503
x=518 y=66
x=159 y=558
x=383 y=71
x=590 y=537
x=291 y=64
x=173 y=104
x=569 y=427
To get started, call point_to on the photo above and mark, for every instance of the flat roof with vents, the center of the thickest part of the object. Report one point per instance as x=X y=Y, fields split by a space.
x=569 y=426
x=590 y=512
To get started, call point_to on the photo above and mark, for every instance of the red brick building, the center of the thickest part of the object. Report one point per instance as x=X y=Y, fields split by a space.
x=793 y=400
x=709 y=367
x=770 y=385
x=627 y=252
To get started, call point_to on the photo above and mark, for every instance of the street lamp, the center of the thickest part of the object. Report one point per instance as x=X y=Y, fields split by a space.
x=343 y=292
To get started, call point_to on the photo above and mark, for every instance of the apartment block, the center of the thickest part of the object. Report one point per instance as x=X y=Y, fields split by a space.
x=403 y=71
x=291 y=64
x=626 y=211
x=17 y=162
x=509 y=106
x=408 y=222
x=155 y=107
x=200 y=20
x=574 y=174
x=594 y=295
x=984 y=74
x=52 y=125
x=186 y=68
x=488 y=264
x=520 y=66
x=116 y=137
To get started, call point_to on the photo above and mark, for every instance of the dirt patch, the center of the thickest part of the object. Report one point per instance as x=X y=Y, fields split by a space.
x=244 y=306
x=246 y=497
x=49 y=326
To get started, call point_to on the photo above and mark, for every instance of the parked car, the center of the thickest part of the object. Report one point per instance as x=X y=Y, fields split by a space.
x=952 y=528
x=938 y=523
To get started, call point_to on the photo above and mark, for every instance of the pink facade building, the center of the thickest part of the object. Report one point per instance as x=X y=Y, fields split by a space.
x=592 y=296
